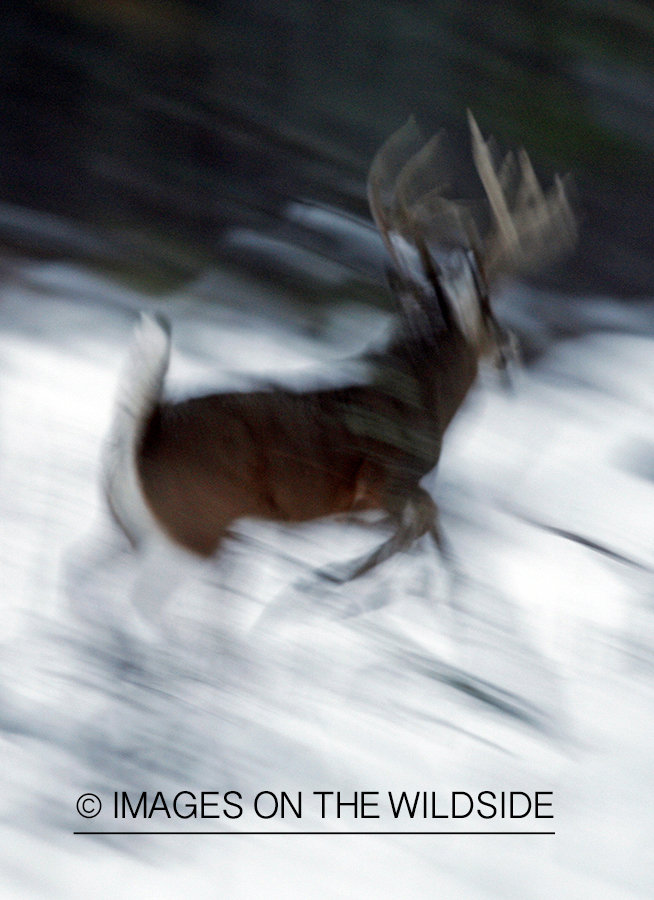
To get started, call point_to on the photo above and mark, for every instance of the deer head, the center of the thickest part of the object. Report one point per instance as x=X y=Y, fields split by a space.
x=431 y=238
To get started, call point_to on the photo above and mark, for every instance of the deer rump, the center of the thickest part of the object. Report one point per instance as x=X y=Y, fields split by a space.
x=190 y=469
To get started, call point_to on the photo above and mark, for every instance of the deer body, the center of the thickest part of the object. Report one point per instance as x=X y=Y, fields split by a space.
x=190 y=469
x=296 y=456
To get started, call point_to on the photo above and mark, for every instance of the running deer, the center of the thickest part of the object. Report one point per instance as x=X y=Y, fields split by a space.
x=190 y=469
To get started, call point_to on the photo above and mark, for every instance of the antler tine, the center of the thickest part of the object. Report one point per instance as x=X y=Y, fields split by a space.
x=422 y=210
x=386 y=166
x=496 y=196
x=530 y=193
x=419 y=176
x=532 y=229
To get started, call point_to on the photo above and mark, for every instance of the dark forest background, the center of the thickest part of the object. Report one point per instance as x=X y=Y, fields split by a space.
x=135 y=134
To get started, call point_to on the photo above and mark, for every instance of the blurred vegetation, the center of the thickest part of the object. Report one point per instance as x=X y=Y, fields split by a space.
x=157 y=125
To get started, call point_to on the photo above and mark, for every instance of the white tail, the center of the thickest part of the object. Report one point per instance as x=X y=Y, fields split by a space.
x=139 y=391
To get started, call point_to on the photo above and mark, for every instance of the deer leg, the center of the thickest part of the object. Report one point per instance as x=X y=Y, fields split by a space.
x=341 y=573
x=418 y=517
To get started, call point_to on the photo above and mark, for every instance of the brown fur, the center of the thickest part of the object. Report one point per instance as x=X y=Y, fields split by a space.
x=292 y=457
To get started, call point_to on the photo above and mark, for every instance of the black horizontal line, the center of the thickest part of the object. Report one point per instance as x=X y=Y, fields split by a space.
x=369 y=833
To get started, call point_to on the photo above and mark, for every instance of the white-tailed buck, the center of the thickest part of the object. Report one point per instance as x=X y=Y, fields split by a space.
x=190 y=469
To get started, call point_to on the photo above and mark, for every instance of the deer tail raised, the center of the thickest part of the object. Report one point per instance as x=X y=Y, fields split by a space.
x=138 y=393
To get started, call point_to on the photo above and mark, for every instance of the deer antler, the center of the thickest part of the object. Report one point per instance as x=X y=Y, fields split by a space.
x=406 y=186
x=384 y=173
x=530 y=227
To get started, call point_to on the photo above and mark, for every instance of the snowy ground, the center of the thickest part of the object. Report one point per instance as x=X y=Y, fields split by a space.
x=531 y=669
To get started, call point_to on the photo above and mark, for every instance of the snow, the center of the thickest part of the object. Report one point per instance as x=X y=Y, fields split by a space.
x=528 y=667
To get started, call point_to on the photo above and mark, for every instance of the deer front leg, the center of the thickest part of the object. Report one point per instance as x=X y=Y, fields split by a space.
x=417 y=517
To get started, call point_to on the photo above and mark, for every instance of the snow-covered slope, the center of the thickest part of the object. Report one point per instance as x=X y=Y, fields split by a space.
x=529 y=668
